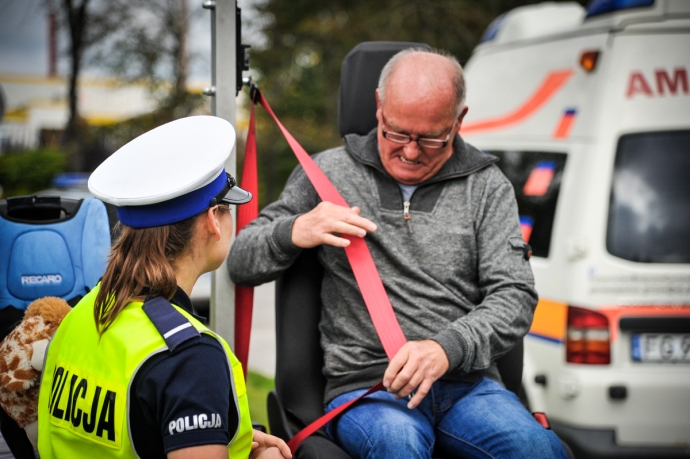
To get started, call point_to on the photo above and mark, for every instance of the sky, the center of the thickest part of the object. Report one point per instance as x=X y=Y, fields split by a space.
x=24 y=39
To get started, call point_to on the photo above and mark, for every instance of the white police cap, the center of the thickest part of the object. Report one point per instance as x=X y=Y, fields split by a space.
x=170 y=173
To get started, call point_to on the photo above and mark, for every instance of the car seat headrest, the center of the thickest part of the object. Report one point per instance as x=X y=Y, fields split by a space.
x=39 y=210
x=359 y=78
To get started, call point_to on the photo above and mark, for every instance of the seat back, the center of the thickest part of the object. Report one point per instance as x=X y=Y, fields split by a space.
x=359 y=78
x=49 y=246
x=300 y=382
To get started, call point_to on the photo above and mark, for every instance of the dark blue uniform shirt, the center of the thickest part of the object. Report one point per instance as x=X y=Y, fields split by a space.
x=183 y=398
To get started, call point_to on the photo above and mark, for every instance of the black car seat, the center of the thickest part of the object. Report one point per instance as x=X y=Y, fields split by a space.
x=298 y=397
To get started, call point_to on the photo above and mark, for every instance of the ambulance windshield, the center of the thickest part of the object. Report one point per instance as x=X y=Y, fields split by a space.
x=649 y=212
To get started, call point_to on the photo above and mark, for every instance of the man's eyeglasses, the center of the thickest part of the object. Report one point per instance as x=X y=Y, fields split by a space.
x=423 y=142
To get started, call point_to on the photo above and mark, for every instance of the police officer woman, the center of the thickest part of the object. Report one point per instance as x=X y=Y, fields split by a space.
x=132 y=372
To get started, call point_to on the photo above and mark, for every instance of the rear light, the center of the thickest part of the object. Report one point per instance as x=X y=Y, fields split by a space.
x=588 y=339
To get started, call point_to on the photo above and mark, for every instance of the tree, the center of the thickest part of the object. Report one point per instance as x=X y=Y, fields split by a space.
x=152 y=47
x=306 y=42
x=142 y=40
x=87 y=23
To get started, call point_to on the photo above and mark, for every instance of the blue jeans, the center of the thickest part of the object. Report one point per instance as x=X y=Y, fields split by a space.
x=455 y=420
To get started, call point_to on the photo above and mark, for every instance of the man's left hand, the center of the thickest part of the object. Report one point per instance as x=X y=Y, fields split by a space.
x=417 y=365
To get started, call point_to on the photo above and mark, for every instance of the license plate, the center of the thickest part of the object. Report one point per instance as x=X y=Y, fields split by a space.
x=661 y=347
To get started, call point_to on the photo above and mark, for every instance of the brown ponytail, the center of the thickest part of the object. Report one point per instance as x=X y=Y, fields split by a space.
x=141 y=262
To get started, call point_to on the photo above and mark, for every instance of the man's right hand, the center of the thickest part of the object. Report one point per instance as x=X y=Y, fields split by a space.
x=317 y=226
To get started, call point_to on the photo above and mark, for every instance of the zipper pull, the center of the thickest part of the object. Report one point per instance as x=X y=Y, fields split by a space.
x=406 y=214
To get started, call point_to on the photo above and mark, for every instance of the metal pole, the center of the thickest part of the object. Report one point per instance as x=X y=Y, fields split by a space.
x=223 y=71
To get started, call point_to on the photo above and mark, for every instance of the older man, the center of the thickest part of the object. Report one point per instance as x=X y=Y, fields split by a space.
x=441 y=223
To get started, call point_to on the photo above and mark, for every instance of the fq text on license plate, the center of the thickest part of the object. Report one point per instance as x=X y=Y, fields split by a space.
x=661 y=347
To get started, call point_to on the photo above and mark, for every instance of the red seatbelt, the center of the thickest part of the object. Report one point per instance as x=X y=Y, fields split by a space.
x=363 y=267
x=244 y=296
x=295 y=441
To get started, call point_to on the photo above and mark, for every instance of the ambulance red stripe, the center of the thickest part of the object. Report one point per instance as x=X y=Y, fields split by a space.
x=553 y=82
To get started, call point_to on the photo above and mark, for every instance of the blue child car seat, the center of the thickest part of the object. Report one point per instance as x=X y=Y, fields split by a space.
x=51 y=246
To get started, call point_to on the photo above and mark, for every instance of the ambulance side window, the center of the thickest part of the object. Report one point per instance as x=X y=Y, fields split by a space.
x=536 y=178
x=649 y=210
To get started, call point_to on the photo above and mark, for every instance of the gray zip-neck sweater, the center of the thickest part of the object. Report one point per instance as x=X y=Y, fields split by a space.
x=454 y=270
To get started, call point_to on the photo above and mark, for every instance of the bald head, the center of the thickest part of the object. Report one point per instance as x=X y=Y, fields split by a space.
x=417 y=76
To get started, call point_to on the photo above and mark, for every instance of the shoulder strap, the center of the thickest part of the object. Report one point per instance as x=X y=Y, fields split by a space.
x=367 y=276
x=170 y=323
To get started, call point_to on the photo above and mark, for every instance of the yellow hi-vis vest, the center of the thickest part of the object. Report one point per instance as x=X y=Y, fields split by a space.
x=84 y=396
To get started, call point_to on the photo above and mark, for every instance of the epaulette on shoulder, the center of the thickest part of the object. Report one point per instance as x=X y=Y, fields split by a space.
x=170 y=323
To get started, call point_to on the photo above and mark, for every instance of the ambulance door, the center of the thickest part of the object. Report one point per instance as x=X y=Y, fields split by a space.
x=638 y=273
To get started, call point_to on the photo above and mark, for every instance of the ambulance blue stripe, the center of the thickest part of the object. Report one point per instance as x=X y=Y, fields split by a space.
x=545 y=338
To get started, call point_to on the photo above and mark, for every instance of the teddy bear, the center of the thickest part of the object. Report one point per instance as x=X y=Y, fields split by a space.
x=21 y=361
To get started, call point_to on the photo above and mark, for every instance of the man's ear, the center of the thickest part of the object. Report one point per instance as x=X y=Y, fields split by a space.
x=461 y=116
x=378 y=106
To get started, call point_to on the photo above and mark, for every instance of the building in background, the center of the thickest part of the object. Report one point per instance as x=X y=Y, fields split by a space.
x=36 y=107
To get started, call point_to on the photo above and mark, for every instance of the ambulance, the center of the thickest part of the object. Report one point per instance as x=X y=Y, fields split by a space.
x=588 y=111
